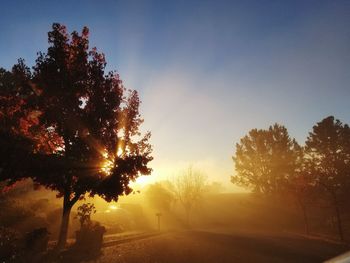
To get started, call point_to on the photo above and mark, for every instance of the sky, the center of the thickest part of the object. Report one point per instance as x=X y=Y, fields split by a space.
x=207 y=71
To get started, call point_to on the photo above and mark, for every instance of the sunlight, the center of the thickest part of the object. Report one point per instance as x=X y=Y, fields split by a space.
x=143 y=180
x=113 y=207
x=120 y=152
x=107 y=164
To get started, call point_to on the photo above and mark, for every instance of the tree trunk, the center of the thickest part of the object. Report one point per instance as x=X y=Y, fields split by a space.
x=62 y=239
x=339 y=222
x=306 y=220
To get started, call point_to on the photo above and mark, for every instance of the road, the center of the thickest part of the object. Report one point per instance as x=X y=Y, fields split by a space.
x=204 y=246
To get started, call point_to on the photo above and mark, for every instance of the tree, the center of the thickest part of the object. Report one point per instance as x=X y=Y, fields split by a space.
x=328 y=159
x=69 y=126
x=301 y=187
x=84 y=214
x=265 y=160
x=159 y=197
x=271 y=163
x=188 y=188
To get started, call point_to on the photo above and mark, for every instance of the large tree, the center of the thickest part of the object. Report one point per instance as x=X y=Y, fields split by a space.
x=328 y=161
x=270 y=162
x=265 y=160
x=69 y=126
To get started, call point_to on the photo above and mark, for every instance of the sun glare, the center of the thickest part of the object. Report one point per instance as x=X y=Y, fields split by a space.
x=107 y=164
x=142 y=180
x=113 y=207
x=119 y=152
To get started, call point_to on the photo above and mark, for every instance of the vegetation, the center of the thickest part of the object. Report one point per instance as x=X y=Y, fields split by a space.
x=84 y=214
x=188 y=189
x=69 y=126
x=271 y=163
x=328 y=163
x=266 y=159
x=160 y=197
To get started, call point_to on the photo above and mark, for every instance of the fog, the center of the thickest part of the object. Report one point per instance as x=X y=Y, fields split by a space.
x=25 y=208
x=153 y=218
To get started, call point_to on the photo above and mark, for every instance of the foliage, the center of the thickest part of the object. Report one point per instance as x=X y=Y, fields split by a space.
x=10 y=246
x=270 y=162
x=84 y=214
x=266 y=159
x=328 y=161
x=37 y=240
x=12 y=214
x=328 y=155
x=70 y=126
x=188 y=188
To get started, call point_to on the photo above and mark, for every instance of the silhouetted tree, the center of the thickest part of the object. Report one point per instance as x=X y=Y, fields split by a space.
x=70 y=126
x=328 y=159
x=271 y=163
x=188 y=188
x=301 y=186
x=84 y=213
x=265 y=160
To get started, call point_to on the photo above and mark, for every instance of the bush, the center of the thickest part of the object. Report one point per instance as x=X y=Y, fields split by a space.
x=36 y=241
x=10 y=246
x=90 y=238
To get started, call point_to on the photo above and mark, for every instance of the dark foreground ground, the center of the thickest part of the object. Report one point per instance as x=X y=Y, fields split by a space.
x=203 y=246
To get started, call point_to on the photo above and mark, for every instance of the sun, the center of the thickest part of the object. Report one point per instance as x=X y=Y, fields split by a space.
x=113 y=207
x=107 y=164
x=143 y=180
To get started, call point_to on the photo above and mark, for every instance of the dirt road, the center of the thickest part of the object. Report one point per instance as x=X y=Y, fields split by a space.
x=203 y=246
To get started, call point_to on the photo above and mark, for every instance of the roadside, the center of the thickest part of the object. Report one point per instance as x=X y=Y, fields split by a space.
x=203 y=246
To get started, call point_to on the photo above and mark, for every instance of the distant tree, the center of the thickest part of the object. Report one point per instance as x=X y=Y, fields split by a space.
x=69 y=126
x=270 y=162
x=159 y=197
x=188 y=188
x=265 y=160
x=328 y=159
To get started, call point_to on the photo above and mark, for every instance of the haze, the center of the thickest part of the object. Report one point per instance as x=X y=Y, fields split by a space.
x=207 y=72
x=195 y=131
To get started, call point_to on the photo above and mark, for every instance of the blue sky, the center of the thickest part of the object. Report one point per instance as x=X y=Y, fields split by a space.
x=207 y=71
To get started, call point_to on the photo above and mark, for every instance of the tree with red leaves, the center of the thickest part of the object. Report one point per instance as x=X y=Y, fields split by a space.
x=69 y=126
